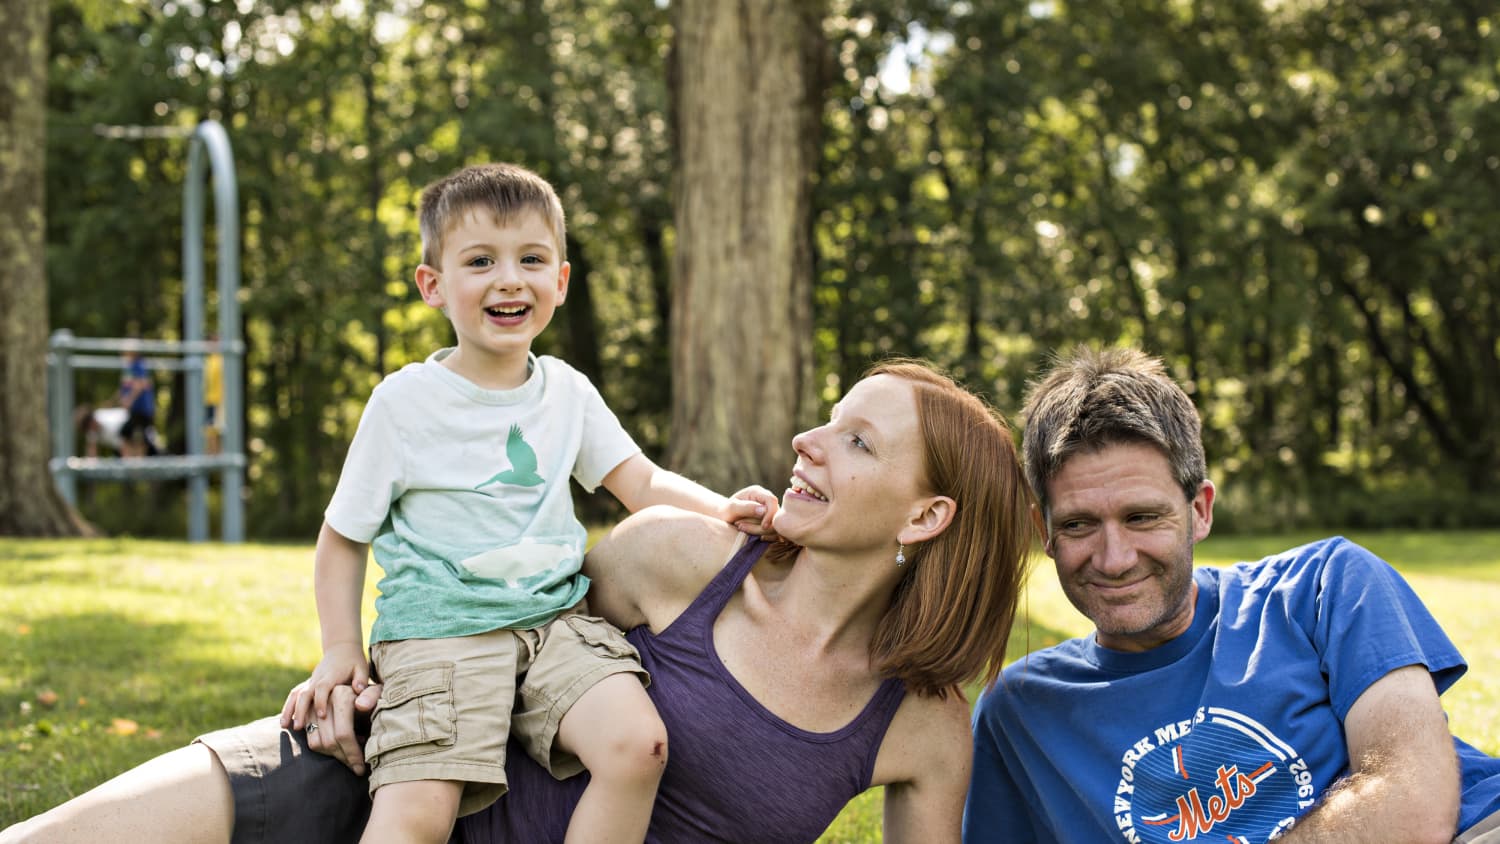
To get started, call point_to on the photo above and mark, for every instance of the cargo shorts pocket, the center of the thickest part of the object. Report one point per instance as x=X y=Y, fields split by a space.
x=415 y=715
x=601 y=637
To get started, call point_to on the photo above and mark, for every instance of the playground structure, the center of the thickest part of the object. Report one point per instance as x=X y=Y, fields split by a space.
x=67 y=353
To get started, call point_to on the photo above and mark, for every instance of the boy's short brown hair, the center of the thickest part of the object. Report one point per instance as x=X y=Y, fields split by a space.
x=502 y=189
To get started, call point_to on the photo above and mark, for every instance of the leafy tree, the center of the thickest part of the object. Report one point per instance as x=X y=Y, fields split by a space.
x=1290 y=204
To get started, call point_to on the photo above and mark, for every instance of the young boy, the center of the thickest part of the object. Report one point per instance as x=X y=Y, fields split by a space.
x=458 y=477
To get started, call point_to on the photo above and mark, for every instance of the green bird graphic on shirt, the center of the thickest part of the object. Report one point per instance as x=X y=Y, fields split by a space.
x=522 y=471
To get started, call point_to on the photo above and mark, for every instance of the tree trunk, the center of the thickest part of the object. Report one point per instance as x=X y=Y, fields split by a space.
x=29 y=502
x=746 y=80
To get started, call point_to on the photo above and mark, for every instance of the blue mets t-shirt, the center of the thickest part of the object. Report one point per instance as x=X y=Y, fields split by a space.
x=1228 y=732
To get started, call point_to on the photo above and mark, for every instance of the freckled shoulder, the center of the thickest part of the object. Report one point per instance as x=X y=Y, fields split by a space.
x=928 y=738
x=662 y=557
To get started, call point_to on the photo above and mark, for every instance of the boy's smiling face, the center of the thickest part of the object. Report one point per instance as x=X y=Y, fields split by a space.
x=499 y=282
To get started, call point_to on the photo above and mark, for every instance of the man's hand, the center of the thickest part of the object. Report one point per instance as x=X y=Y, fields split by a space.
x=337 y=734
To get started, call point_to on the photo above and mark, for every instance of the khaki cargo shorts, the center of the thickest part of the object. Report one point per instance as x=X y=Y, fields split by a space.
x=449 y=705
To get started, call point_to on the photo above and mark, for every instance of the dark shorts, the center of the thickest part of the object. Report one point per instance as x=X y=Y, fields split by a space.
x=285 y=792
x=136 y=425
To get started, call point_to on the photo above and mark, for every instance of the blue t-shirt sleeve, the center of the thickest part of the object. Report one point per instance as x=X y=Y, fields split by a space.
x=995 y=810
x=1368 y=622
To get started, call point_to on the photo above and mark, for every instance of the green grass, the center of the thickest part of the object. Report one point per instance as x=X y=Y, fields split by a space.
x=112 y=651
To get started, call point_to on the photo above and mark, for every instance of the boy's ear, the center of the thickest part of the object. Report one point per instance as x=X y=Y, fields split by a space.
x=427 y=285
x=563 y=273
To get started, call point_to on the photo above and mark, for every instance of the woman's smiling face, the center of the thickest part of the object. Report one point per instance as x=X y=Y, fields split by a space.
x=858 y=478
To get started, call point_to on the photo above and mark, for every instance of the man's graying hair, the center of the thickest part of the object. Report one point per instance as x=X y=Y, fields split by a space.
x=1095 y=398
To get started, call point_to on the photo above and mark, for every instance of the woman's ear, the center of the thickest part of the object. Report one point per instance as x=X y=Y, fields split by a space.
x=933 y=518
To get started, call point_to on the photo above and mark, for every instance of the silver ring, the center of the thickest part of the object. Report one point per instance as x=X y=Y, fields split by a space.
x=312 y=727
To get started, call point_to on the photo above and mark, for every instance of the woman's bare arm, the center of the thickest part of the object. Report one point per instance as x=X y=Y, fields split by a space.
x=924 y=764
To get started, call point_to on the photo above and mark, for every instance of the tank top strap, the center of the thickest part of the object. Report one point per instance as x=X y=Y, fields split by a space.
x=876 y=719
x=710 y=602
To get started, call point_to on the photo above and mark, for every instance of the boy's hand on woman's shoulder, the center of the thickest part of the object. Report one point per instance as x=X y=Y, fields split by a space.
x=751 y=510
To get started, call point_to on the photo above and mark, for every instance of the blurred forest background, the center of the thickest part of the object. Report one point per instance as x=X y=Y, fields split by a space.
x=1295 y=202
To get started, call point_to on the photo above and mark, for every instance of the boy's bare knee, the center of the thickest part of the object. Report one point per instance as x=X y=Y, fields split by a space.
x=409 y=824
x=636 y=755
x=419 y=811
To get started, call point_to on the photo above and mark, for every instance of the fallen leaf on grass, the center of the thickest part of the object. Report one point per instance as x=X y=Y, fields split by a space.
x=123 y=727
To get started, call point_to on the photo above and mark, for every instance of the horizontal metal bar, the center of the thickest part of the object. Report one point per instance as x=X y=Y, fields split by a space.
x=145 y=468
x=118 y=362
x=64 y=340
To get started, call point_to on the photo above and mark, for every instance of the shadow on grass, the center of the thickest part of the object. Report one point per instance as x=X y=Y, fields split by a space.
x=104 y=666
x=87 y=695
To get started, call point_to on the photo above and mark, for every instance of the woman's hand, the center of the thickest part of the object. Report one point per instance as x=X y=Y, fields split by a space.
x=342 y=664
x=336 y=734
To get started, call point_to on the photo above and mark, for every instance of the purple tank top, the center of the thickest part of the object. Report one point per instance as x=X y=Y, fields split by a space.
x=735 y=772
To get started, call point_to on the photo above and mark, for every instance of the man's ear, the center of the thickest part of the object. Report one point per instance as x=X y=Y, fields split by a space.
x=1039 y=521
x=427 y=284
x=932 y=517
x=1203 y=510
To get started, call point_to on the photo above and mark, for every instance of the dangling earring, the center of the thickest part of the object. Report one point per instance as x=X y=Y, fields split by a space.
x=901 y=556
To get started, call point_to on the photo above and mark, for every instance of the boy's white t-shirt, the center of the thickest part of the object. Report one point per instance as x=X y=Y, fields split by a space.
x=463 y=494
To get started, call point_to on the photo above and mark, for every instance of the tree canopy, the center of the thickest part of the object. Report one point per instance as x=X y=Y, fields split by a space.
x=1291 y=201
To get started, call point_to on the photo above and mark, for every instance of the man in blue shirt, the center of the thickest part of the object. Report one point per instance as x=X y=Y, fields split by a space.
x=1295 y=698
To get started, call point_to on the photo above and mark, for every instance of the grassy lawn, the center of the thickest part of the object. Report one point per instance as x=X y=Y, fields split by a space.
x=113 y=651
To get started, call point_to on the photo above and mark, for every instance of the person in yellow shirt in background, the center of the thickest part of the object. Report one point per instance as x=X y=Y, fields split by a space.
x=213 y=398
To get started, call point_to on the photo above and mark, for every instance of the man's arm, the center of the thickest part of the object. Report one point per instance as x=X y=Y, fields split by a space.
x=1404 y=780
